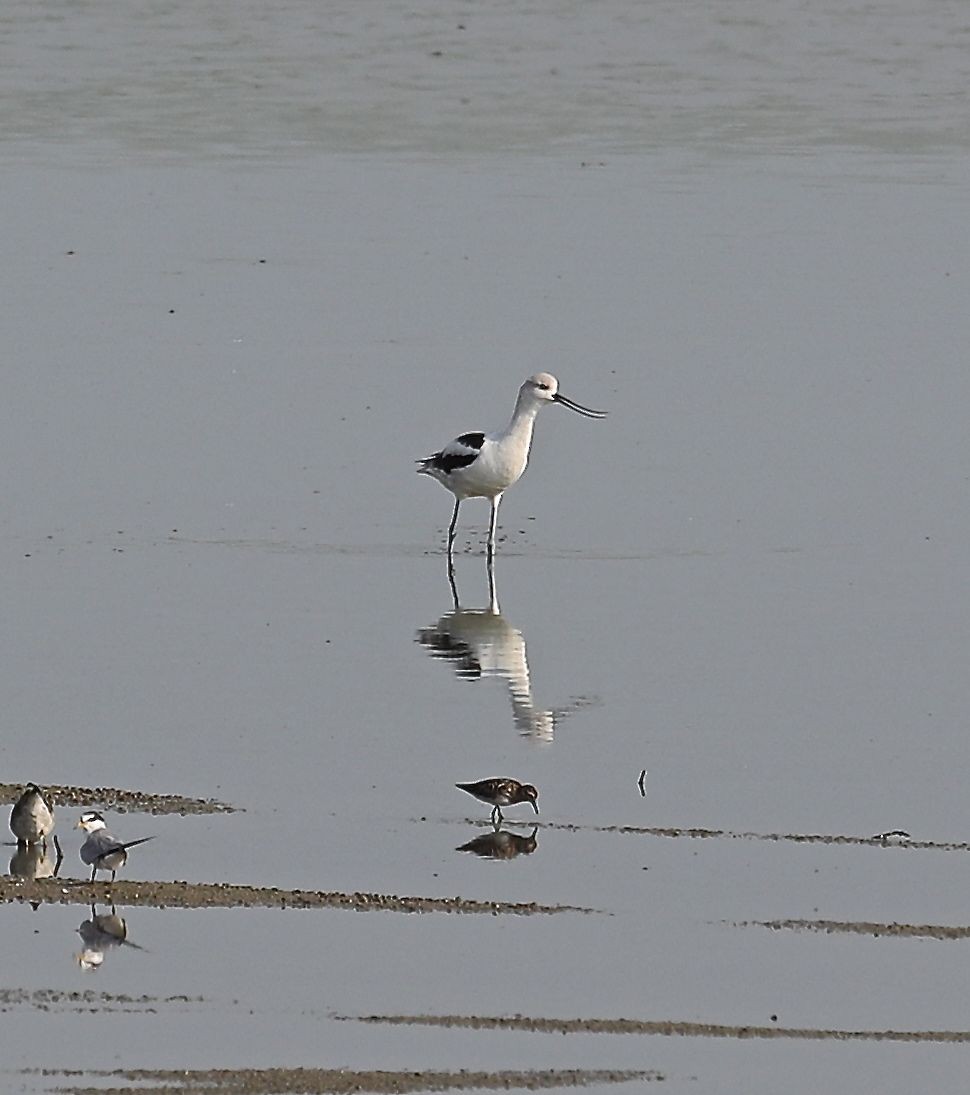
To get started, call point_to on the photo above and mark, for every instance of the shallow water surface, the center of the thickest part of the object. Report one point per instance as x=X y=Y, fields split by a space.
x=262 y=260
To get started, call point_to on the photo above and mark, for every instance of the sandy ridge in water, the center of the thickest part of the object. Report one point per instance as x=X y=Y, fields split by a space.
x=668 y=1027
x=864 y=927
x=222 y=895
x=114 y=798
x=888 y=840
x=87 y=1000
x=325 y=1081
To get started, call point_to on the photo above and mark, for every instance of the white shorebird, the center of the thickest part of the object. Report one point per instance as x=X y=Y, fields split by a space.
x=101 y=851
x=485 y=465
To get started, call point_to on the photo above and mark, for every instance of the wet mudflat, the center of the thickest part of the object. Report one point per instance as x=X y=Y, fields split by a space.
x=198 y=895
x=262 y=260
x=116 y=798
x=311 y=1081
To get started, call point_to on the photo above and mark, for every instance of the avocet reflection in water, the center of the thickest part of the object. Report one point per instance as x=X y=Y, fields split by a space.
x=480 y=643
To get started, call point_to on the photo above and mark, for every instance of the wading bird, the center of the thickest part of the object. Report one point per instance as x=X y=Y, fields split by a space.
x=101 y=851
x=501 y=792
x=485 y=465
x=32 y=816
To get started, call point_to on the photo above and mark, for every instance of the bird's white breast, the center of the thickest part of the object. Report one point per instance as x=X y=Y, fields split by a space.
x=497 y=467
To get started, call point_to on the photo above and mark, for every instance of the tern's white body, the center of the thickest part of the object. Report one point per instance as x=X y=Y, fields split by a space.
x=102 y=851
x=485 y=465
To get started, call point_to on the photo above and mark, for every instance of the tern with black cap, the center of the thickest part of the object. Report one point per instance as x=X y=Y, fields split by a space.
x=102 y=851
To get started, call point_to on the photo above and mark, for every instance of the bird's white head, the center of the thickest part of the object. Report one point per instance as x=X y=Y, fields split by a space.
x=544 y=388
x=90 y=821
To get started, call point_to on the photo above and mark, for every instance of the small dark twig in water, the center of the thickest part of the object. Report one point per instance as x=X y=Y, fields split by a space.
x=643 y=790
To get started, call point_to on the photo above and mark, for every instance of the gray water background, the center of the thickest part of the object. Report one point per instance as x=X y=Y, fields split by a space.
x=259 y=258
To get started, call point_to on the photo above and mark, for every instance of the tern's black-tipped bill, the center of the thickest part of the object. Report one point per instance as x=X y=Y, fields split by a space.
x=578 y=407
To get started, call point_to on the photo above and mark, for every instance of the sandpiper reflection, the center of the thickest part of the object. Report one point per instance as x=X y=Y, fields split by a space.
x=101 y=933
x=480 y=642
x=501 y=844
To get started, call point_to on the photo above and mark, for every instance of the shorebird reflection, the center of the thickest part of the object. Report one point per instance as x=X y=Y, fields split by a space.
x=31 y=861
x=100 y=934
x=501 y=844
x=480 y=642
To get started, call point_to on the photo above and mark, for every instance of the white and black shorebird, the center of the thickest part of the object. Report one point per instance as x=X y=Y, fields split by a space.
x=32 y=816
x=102 y=851
x=501 y=792
x=485 y=465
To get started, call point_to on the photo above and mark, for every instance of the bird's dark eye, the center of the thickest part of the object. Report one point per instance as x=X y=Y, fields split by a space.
x=544 y=387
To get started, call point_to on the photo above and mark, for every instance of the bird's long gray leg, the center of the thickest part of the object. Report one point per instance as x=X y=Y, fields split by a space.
x=493 y=525
x=454 y=587
x=451 y=547
x=452 y=527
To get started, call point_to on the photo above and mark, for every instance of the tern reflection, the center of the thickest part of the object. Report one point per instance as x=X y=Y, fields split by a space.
x=501 y=844
x=480 y=642
x=101 y=933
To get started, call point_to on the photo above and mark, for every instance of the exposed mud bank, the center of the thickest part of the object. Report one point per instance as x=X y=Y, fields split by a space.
x=221 y=895
x=323 y=1081
x=668 y=1027
x=114 y=798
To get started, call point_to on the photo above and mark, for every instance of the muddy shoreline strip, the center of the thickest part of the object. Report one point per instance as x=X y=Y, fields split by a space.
x=89 y=1001
x=325 y=1081
x=864 y=927
x=222 y=895
x=664 y=1027
x=123 y=802
x=674 y=832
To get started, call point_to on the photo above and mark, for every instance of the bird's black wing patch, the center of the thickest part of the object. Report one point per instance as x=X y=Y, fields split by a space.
x=472 y=440
x=449 y=461
x=459 y=453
